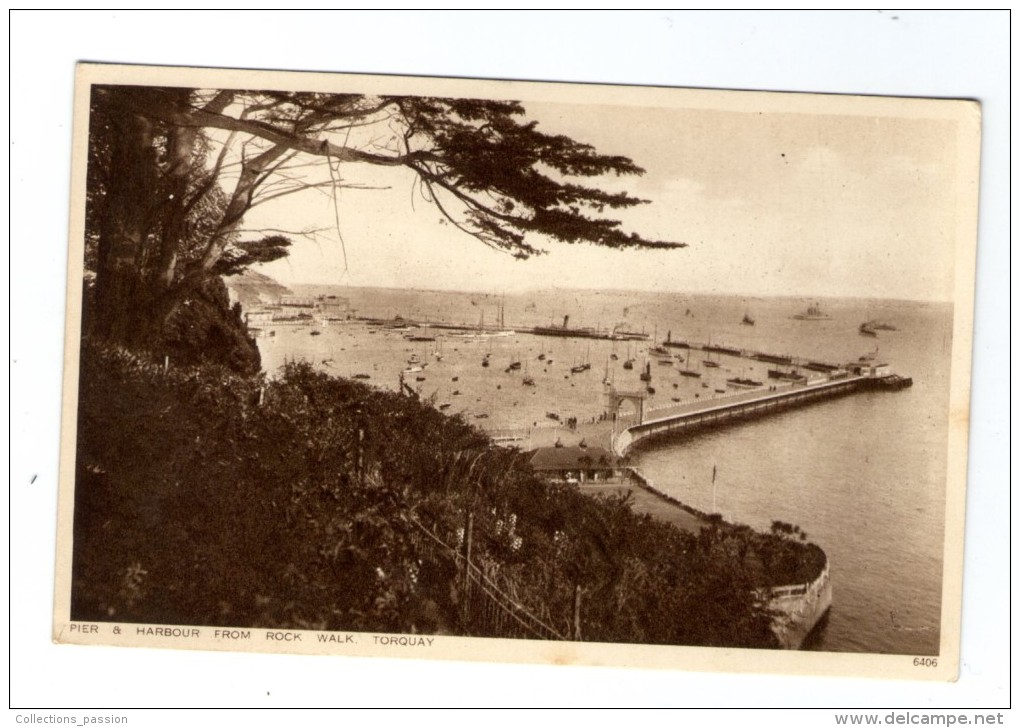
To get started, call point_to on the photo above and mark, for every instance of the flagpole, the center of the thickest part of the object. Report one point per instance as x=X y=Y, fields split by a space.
x=713 y=490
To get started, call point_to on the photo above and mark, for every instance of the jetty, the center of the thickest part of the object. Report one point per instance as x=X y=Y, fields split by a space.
x=692 y=417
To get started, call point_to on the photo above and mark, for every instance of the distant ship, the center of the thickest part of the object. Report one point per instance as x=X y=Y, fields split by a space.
x=813 y=313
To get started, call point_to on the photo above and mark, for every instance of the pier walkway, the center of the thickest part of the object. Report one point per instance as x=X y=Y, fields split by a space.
x=692 y=416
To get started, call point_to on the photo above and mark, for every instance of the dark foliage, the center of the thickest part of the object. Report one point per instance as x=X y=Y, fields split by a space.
x=196 y=504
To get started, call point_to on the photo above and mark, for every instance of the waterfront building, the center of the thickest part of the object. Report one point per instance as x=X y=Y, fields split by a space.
x=577 y=464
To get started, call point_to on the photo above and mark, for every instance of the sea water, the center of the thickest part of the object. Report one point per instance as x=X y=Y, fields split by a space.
x=862 y=475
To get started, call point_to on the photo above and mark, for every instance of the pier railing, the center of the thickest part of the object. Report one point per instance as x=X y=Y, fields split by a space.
x=719 y=411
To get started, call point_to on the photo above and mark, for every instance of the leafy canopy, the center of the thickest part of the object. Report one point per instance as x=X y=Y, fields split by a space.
x=488 y=169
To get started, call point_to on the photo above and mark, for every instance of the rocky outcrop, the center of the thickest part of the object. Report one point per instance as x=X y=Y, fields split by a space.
x=202 y=326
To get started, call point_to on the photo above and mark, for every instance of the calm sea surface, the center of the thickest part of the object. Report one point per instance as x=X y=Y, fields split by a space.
x=863 y=475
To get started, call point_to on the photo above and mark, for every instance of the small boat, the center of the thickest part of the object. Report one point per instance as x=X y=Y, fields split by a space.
x=662 y=355
x=708 y=361
x=419 y=379
x=650 y=389
x=748 y=319
x=316 y=333
x=646 y=375
x=529 y=382
x=362 y=376
x=720 y=391
x=444 y=405
x=629 y=364
x=867 y=329
x=552 y=416
x=743 y=383
x=690 y=373
x=790 y=376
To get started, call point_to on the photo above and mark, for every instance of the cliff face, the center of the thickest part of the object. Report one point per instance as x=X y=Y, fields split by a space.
x=252 y=289
x=204 y=327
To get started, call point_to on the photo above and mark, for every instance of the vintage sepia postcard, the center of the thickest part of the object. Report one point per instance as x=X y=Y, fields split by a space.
x=505 y=371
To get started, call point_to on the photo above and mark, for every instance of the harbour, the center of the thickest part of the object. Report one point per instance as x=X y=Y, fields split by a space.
x=780 y=467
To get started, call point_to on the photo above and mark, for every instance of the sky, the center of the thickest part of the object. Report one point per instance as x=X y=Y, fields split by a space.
x=862 y=202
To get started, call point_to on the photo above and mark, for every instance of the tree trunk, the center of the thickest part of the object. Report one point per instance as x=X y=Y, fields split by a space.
x=179 y=173
x=122 y=297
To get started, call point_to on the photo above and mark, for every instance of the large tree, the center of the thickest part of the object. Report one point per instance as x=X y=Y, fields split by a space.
x=172 y=172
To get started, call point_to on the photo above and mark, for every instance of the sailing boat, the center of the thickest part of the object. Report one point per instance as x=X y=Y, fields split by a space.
x=584 y=366
x=529 y=381
x=502 y=330
x=688 y=372
x=708 y=361
x=629 y=362
x=514 y=364
x=748 y=319
x=660 y=353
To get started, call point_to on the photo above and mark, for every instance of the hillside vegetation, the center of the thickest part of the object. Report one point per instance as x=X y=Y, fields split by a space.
x=206 y=497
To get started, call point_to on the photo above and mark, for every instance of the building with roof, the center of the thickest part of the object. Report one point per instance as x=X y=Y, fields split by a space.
x=575 y=464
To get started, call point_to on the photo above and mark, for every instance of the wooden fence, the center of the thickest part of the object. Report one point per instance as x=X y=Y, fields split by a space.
x=486 y=608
